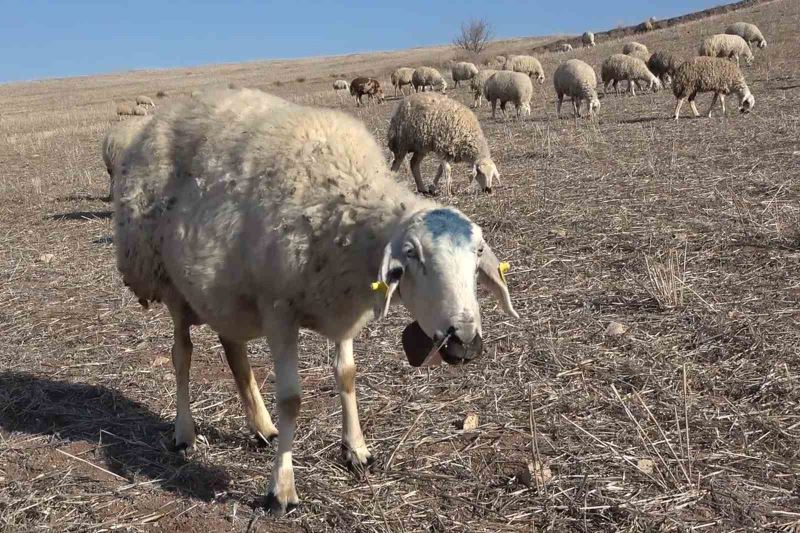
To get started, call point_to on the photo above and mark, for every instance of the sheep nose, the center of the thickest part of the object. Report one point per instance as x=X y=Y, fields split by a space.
x=455 y=351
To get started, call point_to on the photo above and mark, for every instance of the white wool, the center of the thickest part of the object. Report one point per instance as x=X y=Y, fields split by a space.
x=576 y=79
x=505 y=86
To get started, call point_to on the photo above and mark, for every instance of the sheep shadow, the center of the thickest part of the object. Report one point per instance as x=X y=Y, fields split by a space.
x=642 y=120
x=129 y=431
x=83 y=197
x=81 y=215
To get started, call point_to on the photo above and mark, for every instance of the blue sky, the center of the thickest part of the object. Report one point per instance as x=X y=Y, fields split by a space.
x=40 y=39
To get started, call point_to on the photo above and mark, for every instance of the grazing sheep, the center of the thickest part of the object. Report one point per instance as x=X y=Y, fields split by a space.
x=427 y=77
x=576 y=79
x=477 y=83
x=588 y=39
x=621 y=67
x=260 y=217
x=463 y=71
x=366 y=86
x=400 y=78
x=527 y=65
x=506 y=87
x=631 y=47
x=131 y=110
x=432 y=122
x=748 y=32
x=145 y=101
x=646 y=26
x=664 y=65
x=707 y=74
x=341 y=85
x=116 y=141
x=724 y=45
x=565 y=47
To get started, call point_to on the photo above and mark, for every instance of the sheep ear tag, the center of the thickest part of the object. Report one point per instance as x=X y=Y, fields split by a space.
x=502 y=268
x=416 y=344
x=386 y=290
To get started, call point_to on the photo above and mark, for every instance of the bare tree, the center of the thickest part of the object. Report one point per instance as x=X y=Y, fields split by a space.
x=475 y=36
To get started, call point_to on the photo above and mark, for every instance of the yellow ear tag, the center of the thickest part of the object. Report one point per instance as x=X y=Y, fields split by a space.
x=502 y=269
x=379 y=286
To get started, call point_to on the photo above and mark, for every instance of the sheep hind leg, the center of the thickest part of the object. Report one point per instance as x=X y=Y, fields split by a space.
x=576 y=112
x=281 y=492
x=416 y=160
x=398 y=161
x=185 y=435
x=258 y=419
x=692 y=104
x=722 y=102
x=558 y=105
x=354 y=448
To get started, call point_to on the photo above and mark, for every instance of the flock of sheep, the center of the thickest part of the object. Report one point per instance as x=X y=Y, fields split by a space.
x=578 y=80
x=258 y=217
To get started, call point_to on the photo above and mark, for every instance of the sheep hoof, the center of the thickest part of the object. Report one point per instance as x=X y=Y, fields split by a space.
x=183 y=449
x=430 y=192
x=264 y=440
x=276 y=508
x=358 y=460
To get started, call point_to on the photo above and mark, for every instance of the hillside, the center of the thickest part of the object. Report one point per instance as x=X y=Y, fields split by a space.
x=654 y=371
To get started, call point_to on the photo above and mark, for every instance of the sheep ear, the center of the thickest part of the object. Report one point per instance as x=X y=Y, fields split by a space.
x=389 y=274
x=491 y=273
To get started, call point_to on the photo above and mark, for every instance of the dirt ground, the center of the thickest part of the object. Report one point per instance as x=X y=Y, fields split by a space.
x=651 y=383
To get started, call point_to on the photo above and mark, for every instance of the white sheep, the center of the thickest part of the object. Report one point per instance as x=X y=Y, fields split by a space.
x=260 y=217
x=710 y=74
x=576 y=79
x=748 y=32
x=462 y=71
x=477 y=83
x=588 y=39
x=729 y=46
x=621 y=67
x=432 y=122
x=400 y=78
x=633 y=46
x=427 y=77
x=506 y=86
x=131 y=110
x=341 y=85
x=565 y=47
x=116 y=141
x=145 y=101
x=527 y=65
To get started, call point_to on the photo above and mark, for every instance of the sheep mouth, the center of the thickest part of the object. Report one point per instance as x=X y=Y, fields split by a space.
x=421 y=351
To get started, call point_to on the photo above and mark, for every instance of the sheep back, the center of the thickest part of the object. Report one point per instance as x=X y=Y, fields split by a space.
x=587 y=38
x=526 y=64
x=724 y=45
x=576 y=79
x=624 y=67
x=291 y=182
x=748 y=32
x=402 y=76
x=463 y=71
x=424 y=76
x=432 y=122
x=706 y=74
x=508 y=86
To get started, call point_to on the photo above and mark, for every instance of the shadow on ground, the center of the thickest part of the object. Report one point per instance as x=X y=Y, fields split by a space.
x=81 y=215
x=133 y=437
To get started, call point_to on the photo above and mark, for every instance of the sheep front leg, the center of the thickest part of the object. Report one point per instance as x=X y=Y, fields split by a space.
x=182 y=361
x=694 y=107
x=398 y=160
x=258 y=419
x=446 y=171
x=713 y=102
x=722 y=102
x=575 y=111
x=354 y=449
x=559 y=102
x=281 y=494
x=678 y=107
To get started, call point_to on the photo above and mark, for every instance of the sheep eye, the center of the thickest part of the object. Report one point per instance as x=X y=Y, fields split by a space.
x=411 y=253
x=480 y=251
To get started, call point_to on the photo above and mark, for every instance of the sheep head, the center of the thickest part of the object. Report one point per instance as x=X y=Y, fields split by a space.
x=485 y=171
x=434 y=262
x=746 y=102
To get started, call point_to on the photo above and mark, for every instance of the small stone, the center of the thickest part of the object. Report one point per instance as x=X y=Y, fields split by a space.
x=47 y=258
x=160 y=361
x=615 y=329
x=470 y=422
x=535 y=475
x=645 y=465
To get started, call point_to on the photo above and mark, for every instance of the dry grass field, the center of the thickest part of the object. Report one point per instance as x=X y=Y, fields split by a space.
x=651 y=384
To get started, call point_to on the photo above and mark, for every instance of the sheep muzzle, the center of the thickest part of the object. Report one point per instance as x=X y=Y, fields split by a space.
x=422 y=350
